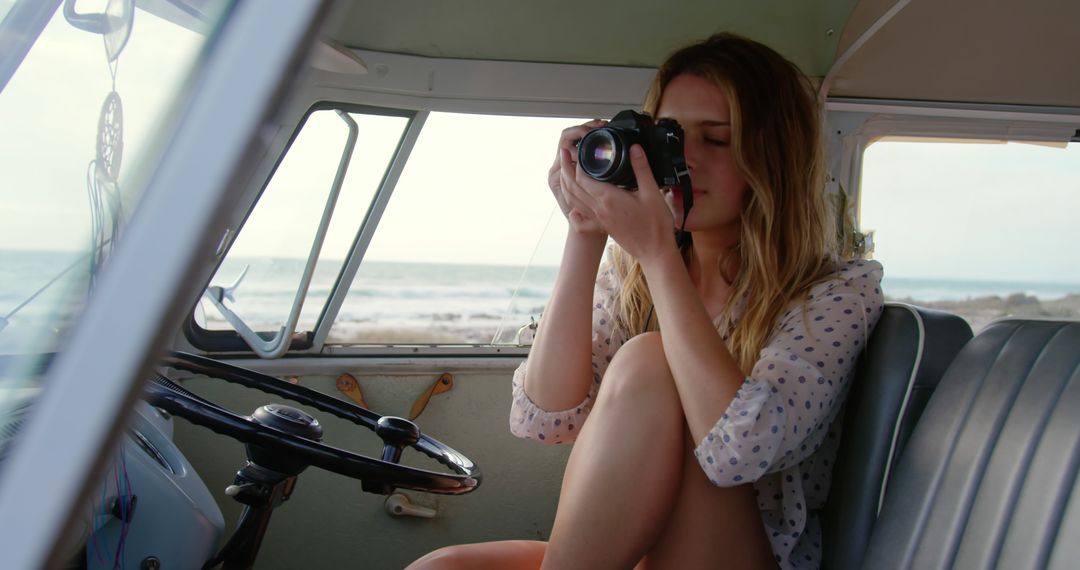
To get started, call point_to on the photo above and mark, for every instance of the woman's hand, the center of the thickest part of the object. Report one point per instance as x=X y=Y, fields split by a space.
x=568 y=142
x=639 y=221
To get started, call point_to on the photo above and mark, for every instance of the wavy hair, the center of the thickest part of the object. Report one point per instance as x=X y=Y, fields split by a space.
x=788 y=238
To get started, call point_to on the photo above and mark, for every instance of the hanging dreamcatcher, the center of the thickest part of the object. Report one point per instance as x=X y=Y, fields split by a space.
x=103 y=172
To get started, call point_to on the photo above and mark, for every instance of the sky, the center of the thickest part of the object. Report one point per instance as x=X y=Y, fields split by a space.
x=1000 y=212
x=475 y=188
x=474 y=191
x=49 y=115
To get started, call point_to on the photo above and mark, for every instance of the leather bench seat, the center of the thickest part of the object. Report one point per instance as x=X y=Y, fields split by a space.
x=988 y=478
x=906 y=356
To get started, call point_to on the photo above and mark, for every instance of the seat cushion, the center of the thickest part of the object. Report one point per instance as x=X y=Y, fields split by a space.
x=988 y=476
x=906 y=356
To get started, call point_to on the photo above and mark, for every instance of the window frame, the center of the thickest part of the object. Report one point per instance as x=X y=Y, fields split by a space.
x=852 y=125
x=422 y=85
x=229 y=341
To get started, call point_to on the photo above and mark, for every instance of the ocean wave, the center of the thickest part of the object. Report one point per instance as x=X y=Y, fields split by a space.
x=448 y=292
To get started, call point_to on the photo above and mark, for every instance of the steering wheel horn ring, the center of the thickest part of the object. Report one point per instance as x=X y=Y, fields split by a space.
x=377 y=475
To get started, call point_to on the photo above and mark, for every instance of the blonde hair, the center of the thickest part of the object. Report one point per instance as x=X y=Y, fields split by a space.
x=788 y=240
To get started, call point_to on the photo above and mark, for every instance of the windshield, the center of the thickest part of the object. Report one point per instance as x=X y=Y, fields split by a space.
x=83 y=115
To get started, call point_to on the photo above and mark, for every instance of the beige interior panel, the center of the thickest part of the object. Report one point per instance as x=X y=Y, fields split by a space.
x=1005 y=52
x=330 y=523
x=966 y=51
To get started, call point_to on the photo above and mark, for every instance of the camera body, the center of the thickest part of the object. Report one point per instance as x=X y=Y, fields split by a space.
x=604 y=152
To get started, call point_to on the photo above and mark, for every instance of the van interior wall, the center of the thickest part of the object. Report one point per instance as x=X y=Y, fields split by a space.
x=329 y=523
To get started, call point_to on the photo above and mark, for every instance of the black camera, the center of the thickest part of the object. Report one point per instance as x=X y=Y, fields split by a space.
x=604 y=152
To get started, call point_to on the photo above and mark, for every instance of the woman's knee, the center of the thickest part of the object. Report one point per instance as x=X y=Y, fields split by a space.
x=639 y=369
x=642 y=354
x=447 y=558
x=502 y=555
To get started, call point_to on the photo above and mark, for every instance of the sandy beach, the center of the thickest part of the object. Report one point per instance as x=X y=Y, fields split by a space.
x=351 y=332
x=982 y=311
x=978 y=312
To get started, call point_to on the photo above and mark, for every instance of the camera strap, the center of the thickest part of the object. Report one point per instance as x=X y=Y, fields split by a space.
x=682 y=237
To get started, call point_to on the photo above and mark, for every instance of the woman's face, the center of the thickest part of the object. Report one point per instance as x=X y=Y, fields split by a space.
x=702 y=109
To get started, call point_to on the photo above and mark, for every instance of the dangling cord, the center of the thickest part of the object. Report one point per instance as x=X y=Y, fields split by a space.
x=124 y=497
x=106 y=205
x=121 y=505
x=112 y=64
x=94 y=531
x=97 y=223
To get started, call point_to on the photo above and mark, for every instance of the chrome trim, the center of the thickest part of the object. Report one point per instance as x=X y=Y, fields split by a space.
x=148 y=446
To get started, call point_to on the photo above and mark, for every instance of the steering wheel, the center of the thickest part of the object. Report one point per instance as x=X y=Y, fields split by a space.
x=378 y=475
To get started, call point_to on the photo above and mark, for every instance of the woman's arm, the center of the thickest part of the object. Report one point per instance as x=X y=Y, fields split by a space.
x=529 y=420
x=783 y=409
x=559 y=368
x=706 y=375
x=779 y=414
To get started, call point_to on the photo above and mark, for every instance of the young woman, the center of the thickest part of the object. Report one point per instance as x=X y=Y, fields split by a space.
x=710 y=376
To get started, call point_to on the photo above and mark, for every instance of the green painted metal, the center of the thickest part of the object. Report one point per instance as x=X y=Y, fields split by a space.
x=330 y=523
x=603 y=32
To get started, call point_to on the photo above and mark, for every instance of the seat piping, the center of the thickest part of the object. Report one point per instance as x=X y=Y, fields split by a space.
x=904 y=404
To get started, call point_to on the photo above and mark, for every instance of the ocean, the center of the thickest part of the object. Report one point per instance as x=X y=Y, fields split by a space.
x=440 y=302
x=465 y=303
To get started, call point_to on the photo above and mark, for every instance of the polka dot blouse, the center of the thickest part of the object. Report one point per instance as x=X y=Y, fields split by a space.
x=778 y=432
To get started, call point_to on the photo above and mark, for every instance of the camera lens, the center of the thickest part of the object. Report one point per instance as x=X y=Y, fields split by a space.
x=604 y=153
x=600 y=153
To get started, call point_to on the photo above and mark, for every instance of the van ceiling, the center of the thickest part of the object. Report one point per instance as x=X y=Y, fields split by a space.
x=1023 y=52
x=968 y=51
x=636 y=33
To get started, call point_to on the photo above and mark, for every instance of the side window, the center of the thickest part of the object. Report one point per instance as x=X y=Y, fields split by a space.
x=263 y=274
x=458 y=257
x=979 y=229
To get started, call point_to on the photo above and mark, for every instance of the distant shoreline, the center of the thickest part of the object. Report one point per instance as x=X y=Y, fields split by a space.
x=978 y=312
x=981 y=311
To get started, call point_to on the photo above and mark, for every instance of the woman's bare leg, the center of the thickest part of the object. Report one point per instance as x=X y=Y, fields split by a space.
x=502 y=555
x=633 y=487
x=711 y=527
x=623 y=474
x=620 y=481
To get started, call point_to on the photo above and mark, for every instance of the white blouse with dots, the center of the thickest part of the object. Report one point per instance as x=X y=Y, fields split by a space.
x=778 y=431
